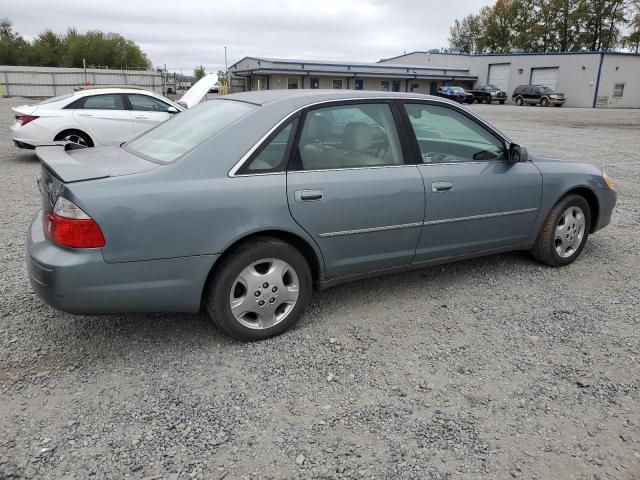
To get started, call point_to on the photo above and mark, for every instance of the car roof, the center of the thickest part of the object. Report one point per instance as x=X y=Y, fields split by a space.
x=94 y=91
x=302 y=97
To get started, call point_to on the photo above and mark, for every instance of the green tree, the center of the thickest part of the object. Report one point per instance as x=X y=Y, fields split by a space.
x=464 y=35
x=199 y=72
x=632 y=40
x=222 y=78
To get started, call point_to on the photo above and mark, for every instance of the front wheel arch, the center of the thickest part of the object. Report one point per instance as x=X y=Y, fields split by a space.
x=591 y=199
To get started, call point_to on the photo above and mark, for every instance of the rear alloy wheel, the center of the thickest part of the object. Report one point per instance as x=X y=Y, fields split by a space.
x=544 y=102
x=74 y=136
x=519 y=101
x=564 y=232
x=259 y=290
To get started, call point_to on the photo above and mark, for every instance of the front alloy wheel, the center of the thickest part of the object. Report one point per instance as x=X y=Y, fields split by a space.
x=564 y=233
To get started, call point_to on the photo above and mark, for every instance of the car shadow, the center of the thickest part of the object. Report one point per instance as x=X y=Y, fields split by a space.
x=141 y=335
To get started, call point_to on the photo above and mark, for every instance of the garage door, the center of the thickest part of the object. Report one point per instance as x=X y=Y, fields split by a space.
x=545 y=76
x=499 y=75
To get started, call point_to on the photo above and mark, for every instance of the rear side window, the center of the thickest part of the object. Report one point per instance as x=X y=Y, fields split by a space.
x=174 y=138
x=145 y=103
x=348 y=136
x=272 y=155
x=100 y=102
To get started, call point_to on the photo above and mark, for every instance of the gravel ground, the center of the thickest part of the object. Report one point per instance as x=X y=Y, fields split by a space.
x=485 y=369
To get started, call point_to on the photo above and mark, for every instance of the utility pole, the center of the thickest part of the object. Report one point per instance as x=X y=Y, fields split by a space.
x=226 y=69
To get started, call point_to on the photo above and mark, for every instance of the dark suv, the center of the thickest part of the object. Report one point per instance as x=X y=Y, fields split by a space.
x=537 y=94
x=488 y=94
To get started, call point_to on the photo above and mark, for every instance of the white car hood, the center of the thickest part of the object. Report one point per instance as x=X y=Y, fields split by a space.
x=199 y=89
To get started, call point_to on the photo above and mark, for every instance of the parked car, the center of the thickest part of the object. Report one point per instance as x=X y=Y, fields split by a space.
x=488 y=94
x=247 y=203
x=457 y=94
x=537 y=95
x=99 y=116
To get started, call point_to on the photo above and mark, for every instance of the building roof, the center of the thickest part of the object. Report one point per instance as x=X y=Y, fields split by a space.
x=507 y=54
x=264 y=65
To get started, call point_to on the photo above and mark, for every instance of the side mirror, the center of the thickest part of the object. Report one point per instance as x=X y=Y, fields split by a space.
x=517 y=153
x=172 y=110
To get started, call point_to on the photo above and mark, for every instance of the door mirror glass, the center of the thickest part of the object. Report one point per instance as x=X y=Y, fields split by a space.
x=172 y=110
x=517 y=153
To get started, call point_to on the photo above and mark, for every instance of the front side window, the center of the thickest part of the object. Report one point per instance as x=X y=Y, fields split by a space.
x=445 y=135
x=145 y=103
x=348 y=136
x=337 y=84
x=172 y=139
x=272 y=155
x=618 y=90
x=101 y=102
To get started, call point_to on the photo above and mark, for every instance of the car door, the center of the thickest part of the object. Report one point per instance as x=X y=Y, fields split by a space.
x=105 y=118
x=349 y=187
x=476 y=199
x=147 y=111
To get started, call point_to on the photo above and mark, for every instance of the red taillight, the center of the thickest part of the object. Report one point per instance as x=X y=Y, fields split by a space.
x=73 y=233
x=70 y=227
x=24 y=119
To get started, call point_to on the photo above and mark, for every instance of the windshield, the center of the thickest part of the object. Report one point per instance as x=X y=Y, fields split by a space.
x=457 y=89
x=184 y=132
x=491 y=88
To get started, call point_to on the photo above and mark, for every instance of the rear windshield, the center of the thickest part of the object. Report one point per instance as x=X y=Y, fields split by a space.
x=184 y=132
x=56 y=99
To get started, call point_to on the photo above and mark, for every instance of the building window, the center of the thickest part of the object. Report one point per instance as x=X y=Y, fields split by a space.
x=618 y=90
x=414 y=87
x=384 y=86
x=315 y=83
x=337 y=84
x=292 y=83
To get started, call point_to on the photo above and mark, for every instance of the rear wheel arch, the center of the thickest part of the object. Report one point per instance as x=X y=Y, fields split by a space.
x=69 y=131
x=313 y=258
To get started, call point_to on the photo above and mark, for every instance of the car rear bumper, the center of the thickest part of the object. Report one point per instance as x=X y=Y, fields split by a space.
x=81 y=282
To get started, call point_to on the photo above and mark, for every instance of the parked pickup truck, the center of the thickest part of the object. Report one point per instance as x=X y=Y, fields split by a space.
x=488 y=94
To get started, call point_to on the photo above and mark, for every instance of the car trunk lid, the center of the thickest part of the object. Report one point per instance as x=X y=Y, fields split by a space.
x=199 y=89
x=63 y=164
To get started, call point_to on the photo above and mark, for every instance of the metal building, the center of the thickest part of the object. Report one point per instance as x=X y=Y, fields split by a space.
x=272 y=73
x=19 y=81
x=588 y=79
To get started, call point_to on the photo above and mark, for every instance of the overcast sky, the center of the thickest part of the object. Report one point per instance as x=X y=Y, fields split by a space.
x=182 y=34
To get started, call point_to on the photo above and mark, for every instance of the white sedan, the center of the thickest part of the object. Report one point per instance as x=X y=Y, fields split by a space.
x=99 y=116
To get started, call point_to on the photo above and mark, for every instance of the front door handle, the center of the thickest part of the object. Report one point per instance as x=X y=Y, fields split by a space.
x=441 y=187
x=308 y=195
x=142 y=117
x=85 y=115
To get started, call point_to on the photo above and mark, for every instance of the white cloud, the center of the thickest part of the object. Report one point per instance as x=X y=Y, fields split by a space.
x=184 y=34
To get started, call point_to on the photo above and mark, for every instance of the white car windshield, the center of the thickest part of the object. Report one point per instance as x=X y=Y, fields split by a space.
x=176 y=137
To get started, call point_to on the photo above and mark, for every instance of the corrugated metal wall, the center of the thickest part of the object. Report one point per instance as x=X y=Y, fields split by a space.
x=49 y=81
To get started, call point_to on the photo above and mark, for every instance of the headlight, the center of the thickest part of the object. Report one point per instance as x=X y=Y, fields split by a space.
x=553 y=96
x=607 y=180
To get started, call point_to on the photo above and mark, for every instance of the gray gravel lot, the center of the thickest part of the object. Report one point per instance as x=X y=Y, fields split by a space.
x=485 y=369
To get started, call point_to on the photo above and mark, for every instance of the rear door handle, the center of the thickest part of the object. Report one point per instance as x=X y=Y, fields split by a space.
x=85 y=115
x=441 y=187
x=141 y=116
x=308 y=195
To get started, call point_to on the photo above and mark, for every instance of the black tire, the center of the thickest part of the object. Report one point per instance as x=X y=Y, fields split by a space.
x=501 y=102
x=544 y=250
x=487 y=100
x=519 y=101
x=83 y=138
x=544 y=102
x=218 y=290
x=557 y=104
